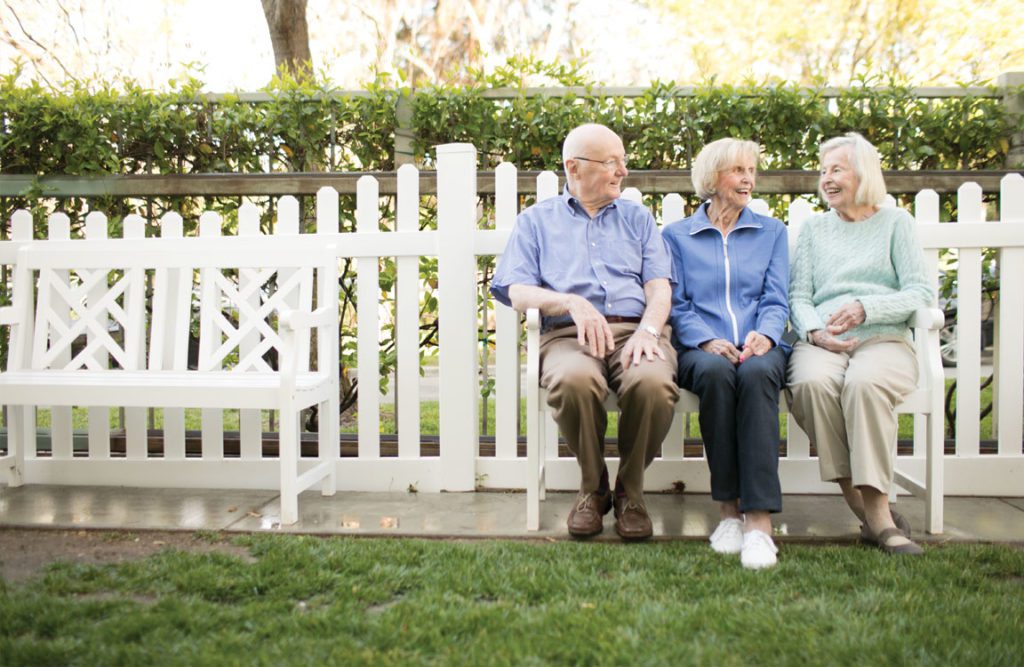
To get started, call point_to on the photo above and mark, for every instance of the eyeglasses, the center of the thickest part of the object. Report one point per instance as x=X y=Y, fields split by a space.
x=613 y=163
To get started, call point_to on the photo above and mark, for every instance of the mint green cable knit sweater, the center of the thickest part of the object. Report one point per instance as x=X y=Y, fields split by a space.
x=877 y=261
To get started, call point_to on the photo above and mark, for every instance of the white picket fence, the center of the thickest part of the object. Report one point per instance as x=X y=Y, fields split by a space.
x=456 y=243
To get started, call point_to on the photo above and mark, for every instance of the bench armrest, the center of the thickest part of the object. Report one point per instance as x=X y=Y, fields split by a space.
x=927 y=318
x=296 y=319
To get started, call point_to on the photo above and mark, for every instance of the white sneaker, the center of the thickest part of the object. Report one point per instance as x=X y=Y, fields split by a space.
x=728 y=537
x=758 y=550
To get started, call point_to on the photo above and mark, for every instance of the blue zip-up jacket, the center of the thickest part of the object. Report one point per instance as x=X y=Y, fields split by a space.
x=727 y=287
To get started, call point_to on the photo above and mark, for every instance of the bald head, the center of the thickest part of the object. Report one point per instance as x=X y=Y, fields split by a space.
x=581 y=137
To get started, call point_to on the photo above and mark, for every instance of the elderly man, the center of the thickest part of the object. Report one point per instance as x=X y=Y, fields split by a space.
x=598 y=271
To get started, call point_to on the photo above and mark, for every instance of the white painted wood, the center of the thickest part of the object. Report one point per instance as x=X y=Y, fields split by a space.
x=506 y=354
x=136 y=436
x=457 y=308
x=633 y=195
x=968 y=324
x=250 y=422
x=672 y=208
x=367 y=295
x=61 y=440
x=99 y=416
x=407 y=315
x=926 y=211
x=169 y=333
x=212 y=420
x=547 y=185
x=1009 y=390
x=760 y=207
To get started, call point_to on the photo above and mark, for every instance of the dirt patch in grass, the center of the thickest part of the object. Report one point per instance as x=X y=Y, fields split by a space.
x=25 y=552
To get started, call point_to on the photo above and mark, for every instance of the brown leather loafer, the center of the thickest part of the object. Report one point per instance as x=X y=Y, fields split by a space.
x=632 y=521
x=586 y=518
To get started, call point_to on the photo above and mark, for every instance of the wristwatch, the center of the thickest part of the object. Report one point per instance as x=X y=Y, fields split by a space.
x=651 y=330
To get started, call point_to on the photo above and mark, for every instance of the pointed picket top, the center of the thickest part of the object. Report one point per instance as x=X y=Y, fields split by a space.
x=368 y=204
x=59 y=228
x=209 y=224
x=21 y=225
x=633 y=195
x=134 y=227
x=1011 y=198
x=287 y=216
x=926 y=206
x=172 y=226
x=547 y=185
x=799 y=210
x=672 y=208
x=760 y=207
x=96 y=226
x=407 y=211
x=968 y=203
x=506 y=185
x=327 y=210
x=248 y=219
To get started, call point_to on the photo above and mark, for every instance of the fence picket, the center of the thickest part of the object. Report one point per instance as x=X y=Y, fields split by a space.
x=1009 y=345
x=135 y=434
x=250 y=422
x=507 y=328
x=926 y=210
x=61 y=430
x=169 y=333
x=968 y=327
x=407 y=316
x=368 y=295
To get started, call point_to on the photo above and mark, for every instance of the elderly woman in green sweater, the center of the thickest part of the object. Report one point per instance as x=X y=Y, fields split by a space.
x=857 y=276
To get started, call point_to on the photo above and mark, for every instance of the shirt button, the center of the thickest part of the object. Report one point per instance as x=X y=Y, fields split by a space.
x=609 y=305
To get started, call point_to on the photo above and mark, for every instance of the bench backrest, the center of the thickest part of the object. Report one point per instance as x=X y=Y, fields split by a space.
x=100 y=290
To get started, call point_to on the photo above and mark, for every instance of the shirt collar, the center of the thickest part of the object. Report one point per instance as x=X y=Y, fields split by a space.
x=570 y=200
x=701 y=221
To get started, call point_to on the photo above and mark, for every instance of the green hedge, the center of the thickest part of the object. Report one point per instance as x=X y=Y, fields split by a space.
x=103 y=129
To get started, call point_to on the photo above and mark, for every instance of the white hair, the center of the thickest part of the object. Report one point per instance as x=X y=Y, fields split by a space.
x=866 y=164
x=718 y=156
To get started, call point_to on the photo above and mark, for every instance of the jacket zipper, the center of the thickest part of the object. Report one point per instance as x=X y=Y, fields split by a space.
x=728 y=291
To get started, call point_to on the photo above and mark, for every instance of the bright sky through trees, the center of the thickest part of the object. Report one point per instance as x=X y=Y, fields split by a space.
x=623 y=42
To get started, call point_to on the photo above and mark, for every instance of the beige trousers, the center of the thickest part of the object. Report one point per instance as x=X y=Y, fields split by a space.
x=578 y=385
x=845 y=403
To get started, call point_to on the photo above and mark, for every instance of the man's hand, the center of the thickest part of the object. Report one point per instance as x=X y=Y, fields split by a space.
x=641 y=344
x=824 y=339
x=592 y=330
x=755 y=345
x=847 y=317
x=722 y=348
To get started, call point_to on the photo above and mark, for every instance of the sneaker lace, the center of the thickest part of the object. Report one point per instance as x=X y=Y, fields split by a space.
x=585 y=501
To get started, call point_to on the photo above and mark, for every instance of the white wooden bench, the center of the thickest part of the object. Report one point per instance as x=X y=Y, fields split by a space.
x=64 y=289
x=926 y=401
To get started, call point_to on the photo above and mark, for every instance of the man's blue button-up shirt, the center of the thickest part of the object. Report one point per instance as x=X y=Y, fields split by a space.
x=605 y=259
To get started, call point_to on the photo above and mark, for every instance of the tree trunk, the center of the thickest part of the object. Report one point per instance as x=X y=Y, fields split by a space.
x=289 y=33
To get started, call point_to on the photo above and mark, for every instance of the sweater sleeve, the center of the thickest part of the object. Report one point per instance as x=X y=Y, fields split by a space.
x=773 y=309
x=914 y=289
x=801 y=283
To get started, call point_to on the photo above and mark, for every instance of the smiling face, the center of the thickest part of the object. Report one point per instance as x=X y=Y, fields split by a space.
x=838 y=182
x=735 y=185
x=593 y=183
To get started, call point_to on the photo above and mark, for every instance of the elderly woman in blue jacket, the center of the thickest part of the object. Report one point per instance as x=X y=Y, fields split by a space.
x=729 y=309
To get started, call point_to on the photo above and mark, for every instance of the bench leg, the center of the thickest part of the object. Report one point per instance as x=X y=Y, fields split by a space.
x=288 y=460
x=329 y=443
x=20 y=439
x=934 y=481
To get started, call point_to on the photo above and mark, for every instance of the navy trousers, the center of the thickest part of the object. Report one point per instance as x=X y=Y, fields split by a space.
x=739 y=421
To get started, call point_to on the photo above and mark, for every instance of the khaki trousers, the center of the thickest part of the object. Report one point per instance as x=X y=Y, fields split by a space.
x=845 y=402
x=578 y=385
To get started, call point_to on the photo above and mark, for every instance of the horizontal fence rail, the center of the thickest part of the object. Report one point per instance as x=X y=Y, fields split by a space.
x=461 y=461
x=665 y=181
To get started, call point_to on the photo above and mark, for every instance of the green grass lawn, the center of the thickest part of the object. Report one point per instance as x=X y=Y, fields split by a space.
x=316 y=601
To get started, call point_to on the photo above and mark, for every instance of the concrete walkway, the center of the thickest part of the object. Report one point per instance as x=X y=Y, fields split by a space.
x=459 y=515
